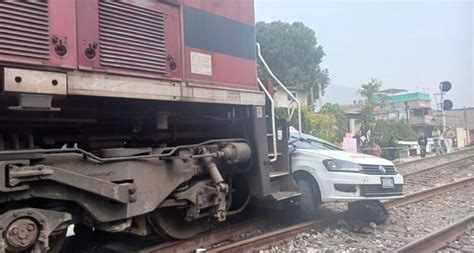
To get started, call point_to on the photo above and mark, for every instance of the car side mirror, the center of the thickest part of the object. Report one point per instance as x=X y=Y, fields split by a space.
x=292 y=142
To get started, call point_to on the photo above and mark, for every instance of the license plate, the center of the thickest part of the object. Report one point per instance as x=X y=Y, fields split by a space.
x=387 y=182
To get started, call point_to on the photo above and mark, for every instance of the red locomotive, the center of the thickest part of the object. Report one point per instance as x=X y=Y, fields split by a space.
x=137 y=116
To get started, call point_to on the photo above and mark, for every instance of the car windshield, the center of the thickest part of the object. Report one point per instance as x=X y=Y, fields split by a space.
x=306 y=143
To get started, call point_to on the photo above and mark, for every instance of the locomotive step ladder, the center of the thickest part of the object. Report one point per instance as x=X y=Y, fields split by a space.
x=282 y=185
x=284 y=190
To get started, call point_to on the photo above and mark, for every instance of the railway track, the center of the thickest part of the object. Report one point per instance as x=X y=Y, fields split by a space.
x=416 y=165
x=439 y=239
x=245 y=230
x=454 y=163
x=441 y=174
x=272 y=238
x=223 y=235
x=412 y=178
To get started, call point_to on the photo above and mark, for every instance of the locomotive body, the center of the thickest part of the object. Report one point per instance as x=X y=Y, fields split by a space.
x=137 y=116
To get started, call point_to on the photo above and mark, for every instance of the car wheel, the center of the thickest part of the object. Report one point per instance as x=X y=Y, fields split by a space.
x=310 y=199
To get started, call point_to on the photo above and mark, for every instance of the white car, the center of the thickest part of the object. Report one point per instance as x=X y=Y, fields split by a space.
x=325 y=173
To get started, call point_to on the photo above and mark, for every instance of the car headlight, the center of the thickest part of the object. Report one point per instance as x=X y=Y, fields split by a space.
x=341 y=165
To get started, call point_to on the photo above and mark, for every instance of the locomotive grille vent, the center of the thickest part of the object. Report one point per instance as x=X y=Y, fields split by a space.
x=131 y=37
x=24 y=28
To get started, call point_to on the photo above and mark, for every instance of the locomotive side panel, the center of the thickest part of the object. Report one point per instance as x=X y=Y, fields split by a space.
x=134 y=38
x=38 y=33
x=220 y=43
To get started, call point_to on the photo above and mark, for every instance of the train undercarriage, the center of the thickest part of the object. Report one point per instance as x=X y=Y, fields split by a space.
x=126 y=166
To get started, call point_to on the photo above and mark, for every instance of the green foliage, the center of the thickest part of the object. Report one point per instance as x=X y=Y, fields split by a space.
x=370 y=89
x=321 y=125
x=341 y=124
x=387 y=130
x=373 y=100
x=293 y=54
x=398 y=130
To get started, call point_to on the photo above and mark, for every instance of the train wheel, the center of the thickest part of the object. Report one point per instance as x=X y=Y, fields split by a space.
x=56 y=240
x=23 y=233
x=169 y=223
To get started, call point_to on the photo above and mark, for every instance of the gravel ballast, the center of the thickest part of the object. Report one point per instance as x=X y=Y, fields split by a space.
x=439 y=177
x=405 y=223
x=421 y=164
x=463 y=243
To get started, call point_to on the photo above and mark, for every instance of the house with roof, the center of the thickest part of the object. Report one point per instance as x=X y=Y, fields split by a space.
x=398 y=104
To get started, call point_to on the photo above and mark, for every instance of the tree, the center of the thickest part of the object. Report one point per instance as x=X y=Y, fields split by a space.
x=373 y=100
x=293 y=54
x=317 y=124
x=341 y=121
x=370 y=89
x=386 y=130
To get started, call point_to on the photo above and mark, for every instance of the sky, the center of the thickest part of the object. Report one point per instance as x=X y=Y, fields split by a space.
x=410 y=45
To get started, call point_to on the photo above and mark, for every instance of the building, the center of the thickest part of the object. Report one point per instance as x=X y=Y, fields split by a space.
x=398 y=104
x=414 y=107
x=283 y=100
x=461 y=118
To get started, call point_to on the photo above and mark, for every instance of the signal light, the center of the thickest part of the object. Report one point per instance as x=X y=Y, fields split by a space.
x=447 y=105
x=445 y=86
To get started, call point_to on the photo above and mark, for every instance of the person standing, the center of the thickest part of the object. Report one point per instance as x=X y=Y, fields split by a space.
x=422 y=141
x=448 y=136
x=368 y=134
x=436 y=134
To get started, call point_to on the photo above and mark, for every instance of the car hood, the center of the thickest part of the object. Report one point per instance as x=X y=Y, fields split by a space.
x=348 y=156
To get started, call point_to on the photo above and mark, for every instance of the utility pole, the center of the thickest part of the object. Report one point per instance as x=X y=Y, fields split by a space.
x=445 y=105
x=465 y=119
x=320 y=96
x=443 y=113
x=466 y=130
x=407 y=111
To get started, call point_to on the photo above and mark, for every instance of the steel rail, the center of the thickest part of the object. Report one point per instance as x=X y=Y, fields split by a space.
x=438 y=239
x=229 y=233
x=439 y=167
x=418 y=196
x=462 y=151
x=277 y=235
x=288 y=233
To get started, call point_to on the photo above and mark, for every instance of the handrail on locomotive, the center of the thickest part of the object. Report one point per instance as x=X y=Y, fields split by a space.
x=294 y=99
